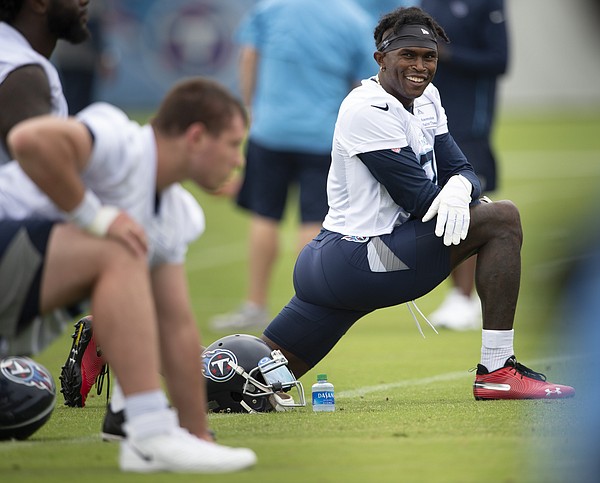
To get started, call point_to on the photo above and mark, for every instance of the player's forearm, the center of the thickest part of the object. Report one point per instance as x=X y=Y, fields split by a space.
x=51 y=152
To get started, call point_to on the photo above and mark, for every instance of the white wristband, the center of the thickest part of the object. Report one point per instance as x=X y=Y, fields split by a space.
x=92 y=216
x=104 y=218
x=83 y=215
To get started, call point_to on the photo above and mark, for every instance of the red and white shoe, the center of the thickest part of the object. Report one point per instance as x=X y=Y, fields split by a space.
x=516 y=381
x=84 y=367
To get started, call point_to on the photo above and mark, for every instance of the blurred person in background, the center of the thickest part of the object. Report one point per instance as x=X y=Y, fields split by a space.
x=579 y=333
x=81 y=65
x=29 y=82
x=468 y=72
x=293 y=85
x=30 y=86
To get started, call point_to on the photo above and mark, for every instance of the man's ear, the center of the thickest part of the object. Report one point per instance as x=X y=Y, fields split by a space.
x=195 y=132
x=38 y=6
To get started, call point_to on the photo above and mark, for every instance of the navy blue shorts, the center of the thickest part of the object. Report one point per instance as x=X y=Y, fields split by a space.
x=22 y=251
x=269 y=174
x=340 y=279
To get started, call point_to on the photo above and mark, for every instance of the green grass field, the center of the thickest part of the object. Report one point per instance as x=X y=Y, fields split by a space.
x=405 y=410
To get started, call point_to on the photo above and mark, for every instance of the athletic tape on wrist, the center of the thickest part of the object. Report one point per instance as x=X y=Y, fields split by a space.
x=83 y=215
x=103 y=219
x=92 y=216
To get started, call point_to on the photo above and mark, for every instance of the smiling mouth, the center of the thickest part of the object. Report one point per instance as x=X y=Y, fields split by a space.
x=416 y=80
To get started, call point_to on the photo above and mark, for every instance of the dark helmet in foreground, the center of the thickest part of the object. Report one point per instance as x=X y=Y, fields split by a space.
x=27 y=397
x=244 y=375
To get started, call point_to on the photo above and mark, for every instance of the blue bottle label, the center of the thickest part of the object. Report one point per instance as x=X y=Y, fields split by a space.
x=323 y=397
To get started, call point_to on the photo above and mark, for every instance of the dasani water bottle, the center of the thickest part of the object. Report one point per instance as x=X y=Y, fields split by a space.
x=323 y=399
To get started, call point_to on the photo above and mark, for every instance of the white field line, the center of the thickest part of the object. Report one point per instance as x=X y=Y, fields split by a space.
x=449 y=376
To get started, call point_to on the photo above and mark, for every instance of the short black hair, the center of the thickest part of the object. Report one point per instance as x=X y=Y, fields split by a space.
x=406 y=16
x=9 y=9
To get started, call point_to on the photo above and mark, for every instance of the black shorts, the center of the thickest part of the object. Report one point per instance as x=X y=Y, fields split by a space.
x=340 y=279
x=269 y=174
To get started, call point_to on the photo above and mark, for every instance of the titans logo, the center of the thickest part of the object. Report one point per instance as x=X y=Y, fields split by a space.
x=216 y=365
x=23 y=370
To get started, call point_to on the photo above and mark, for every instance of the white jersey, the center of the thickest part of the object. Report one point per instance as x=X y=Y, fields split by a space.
x=122 y=173
x=16 y=52
x=370 y=119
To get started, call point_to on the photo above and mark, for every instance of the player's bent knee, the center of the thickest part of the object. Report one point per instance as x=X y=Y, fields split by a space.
x=508 y=219
x=115 y=256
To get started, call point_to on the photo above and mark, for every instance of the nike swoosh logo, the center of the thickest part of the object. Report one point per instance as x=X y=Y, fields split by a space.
x=380 y=107
x=145 y=457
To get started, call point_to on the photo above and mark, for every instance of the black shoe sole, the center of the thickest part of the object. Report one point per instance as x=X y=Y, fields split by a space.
x=70 y=372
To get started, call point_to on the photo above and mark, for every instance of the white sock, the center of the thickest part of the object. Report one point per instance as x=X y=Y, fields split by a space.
x=496 y=347
x=117 y=398
x=147 y=414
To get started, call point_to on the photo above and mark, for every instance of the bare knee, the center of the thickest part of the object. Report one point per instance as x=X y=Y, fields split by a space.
x=508 y=220
x=114 y=256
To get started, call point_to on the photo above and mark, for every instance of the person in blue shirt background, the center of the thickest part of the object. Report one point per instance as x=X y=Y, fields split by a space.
x=467 y=76
x=293 y=84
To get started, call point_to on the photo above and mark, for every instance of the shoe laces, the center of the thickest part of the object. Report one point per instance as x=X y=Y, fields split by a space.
x=104 y=373
x=525 y=371
x=408 y=304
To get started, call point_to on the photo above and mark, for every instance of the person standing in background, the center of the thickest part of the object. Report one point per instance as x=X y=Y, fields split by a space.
x=467 y=77
x=294 y=87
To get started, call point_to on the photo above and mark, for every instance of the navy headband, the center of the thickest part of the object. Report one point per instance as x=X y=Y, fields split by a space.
x=409 y=36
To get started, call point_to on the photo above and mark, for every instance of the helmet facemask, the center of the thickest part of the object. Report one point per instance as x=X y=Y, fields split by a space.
x=278 y=381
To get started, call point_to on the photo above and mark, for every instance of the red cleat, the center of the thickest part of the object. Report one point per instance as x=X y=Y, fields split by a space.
x=84 y=365
x=516 y=381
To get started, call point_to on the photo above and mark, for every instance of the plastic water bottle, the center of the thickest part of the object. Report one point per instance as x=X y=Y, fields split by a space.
x=323 y=398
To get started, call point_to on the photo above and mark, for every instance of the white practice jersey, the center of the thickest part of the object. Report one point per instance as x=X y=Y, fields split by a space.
x=16 y=52
x=370 y=119
x=122 y=173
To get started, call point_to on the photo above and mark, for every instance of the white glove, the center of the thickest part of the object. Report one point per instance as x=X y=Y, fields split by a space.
x=452 y=208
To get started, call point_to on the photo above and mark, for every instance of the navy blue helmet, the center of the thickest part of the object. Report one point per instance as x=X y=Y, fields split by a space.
x=243 y=375
x=27 y=397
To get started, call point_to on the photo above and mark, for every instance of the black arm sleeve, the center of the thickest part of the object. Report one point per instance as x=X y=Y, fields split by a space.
x=403 y=177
